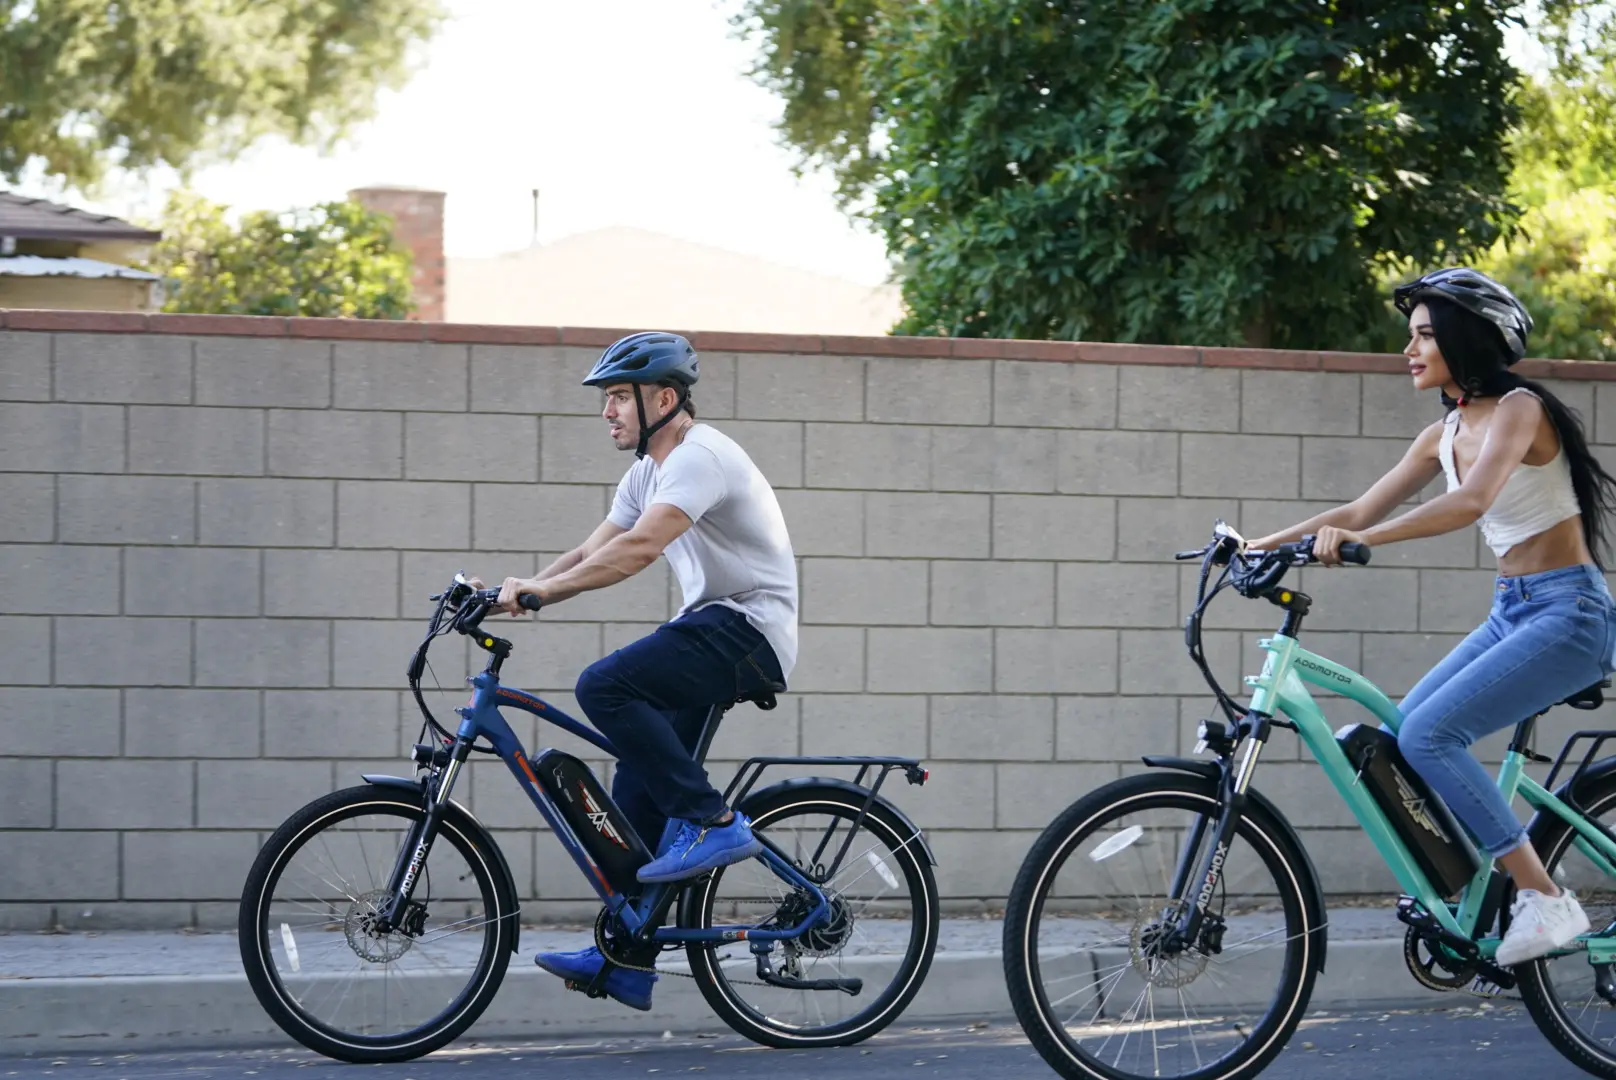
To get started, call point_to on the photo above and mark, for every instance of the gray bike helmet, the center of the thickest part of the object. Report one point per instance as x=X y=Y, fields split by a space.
x=648 y=358
x=1478 y=294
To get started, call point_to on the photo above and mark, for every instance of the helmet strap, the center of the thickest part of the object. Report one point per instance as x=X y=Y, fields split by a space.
x=647 y=432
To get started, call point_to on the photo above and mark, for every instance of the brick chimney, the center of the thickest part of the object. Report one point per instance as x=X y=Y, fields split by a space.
x=418 y=217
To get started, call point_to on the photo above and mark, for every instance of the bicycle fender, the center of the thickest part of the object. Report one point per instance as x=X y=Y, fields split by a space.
x=1593 y=774
x=467 y=822
x=850 y=788
x=1312 y=892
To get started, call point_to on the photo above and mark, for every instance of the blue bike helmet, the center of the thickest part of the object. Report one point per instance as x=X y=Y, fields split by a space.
x=649 y=358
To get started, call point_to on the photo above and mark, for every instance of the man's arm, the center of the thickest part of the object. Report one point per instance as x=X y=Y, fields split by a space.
x=598 y=539
x=620 y=557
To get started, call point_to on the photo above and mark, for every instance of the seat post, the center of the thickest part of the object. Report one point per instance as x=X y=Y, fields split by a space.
x=709 y=728
x=1522 y=741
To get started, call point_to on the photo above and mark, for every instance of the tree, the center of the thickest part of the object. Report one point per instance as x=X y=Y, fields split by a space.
x=1561 y=260
x=1185 y=171
x=337 y=259
x=88 y=84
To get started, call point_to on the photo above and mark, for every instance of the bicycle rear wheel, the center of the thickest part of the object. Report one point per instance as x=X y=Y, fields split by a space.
x=312 y=953
x=882 y=926
x=1560 y=991
x=1095 y=986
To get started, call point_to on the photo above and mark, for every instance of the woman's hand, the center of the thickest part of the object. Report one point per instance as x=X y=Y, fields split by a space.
x=1327 y=543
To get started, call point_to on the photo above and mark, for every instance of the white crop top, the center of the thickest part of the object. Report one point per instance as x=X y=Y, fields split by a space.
x=1534 y=498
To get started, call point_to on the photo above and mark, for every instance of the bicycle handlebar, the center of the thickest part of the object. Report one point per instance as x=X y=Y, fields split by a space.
x=1301 y=550
x=491 y=598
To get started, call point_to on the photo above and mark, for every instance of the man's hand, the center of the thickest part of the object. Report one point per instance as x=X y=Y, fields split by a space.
x=1327 y=543
x=513 y=588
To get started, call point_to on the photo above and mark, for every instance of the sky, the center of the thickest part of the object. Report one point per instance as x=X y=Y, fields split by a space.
x=621 y=112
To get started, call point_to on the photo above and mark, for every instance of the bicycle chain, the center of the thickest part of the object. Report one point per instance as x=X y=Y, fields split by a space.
x=606 y=951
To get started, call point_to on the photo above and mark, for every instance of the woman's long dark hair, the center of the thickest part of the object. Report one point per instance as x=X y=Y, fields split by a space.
x=1475 y=354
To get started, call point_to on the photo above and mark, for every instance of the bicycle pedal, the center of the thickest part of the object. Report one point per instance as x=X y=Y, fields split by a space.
x=1482 y=986
x=583 y=988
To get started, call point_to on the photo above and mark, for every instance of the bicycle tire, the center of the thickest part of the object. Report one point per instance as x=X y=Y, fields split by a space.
x=493 y=884
x=1049 y=852
x=903 y=848
x=1552 y=837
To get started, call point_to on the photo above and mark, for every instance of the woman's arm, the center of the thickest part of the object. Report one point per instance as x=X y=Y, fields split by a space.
x=1509 y=437
x=1418 y=467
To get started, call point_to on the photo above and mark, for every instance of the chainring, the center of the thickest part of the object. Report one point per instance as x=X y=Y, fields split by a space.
x=1455 y=974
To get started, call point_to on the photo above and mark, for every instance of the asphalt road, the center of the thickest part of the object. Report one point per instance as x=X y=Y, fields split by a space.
x=1498 y=1041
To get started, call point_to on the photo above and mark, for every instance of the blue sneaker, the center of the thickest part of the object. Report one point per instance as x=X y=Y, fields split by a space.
x=699 y=848
x=632 y=988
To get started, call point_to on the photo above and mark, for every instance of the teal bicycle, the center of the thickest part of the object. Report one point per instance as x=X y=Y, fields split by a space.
x=1172 y=924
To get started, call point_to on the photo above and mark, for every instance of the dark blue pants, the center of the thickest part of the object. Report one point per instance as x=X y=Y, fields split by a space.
x=652 y=698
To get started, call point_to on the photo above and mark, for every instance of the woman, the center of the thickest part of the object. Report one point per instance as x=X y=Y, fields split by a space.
x=1517 y=463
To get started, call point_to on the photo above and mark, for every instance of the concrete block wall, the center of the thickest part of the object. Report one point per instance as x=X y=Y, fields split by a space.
x=217 y=537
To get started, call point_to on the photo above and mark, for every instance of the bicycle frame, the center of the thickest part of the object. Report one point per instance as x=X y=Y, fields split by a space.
x=1281 y=688
x=481 y=717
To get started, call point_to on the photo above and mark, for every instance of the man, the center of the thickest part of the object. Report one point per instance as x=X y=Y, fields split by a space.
x=694 y=495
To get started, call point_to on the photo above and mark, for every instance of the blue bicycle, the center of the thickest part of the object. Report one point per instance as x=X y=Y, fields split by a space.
x=377 y=922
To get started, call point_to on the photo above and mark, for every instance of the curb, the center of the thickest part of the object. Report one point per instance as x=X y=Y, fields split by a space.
x=133 y=1013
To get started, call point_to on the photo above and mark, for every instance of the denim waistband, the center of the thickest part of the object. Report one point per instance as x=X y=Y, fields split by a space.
x=1565 y=578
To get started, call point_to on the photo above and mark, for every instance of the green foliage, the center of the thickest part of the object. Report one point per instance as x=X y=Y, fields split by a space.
x=1564 y=271
x=87 y=83
x=1182 y=171
x=337 y=259
x=812 y=54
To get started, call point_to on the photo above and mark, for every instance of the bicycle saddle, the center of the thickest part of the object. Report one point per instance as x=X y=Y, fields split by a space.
x=764 y=698
x=1590 y=697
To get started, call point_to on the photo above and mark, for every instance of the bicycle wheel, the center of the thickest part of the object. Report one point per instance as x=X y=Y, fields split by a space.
x=1091 y=984
x=314 y=959
x=1559 y=991
x=882 y=926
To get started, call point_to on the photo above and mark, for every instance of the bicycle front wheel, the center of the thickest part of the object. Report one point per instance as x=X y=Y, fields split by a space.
x=1101 y=990
x=882 y=927
x=312 y=952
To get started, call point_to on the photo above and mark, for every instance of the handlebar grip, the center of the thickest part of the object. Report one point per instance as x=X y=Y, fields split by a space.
x=1354 y=552
x=533 y=603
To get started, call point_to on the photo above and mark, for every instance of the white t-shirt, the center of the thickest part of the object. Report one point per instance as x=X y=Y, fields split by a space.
x=736 y=551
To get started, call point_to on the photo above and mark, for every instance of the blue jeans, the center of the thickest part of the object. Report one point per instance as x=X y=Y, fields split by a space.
x=1548 y=636
x=651 y=699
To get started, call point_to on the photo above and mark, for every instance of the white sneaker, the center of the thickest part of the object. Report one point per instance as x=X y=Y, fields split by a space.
x=1539 y=924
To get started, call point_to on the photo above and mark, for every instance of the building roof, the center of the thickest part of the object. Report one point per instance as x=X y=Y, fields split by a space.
x=623 y=276
x=41 y=266
x=40 y=219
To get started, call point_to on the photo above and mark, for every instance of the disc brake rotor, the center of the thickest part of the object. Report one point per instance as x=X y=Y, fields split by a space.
x=1157 y=966
x=359 y=925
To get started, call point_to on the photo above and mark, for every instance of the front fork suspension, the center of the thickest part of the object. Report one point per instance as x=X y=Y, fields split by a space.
x=1195 y=881
x=412 y=856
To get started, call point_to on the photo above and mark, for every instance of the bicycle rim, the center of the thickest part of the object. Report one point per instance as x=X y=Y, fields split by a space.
x=329 y=975
x=882 y=927
x=1092 y=981
x=1560 y=990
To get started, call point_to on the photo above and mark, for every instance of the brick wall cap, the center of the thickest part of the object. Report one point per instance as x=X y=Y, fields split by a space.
x=1058 y=352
